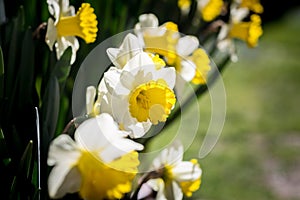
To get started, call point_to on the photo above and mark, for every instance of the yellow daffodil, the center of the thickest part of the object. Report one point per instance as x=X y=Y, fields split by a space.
x=210 y=9
x=139 y=94
x=66 y=25
x=177 y=177
x=99 y=164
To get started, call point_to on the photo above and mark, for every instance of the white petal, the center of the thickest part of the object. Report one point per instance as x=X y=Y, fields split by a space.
x=145 y=191
x=73 y=42
x=127 y=79
x=62 y=149
x=112 y=81
x=158 y=185
x=186 y=171
x=90 y=99
x=147 y=20
x=138 y=130
x=173 y=191
x=238 y=14
x=128 y=49
x=168 y=74
x=187 y=45
x=188 y=70
x=102 y=87
x=66 y=9
x=63 y=180
x=141 y=59
x=119 y=148
x=96 y=133
x=54 y=9
x=51 y=34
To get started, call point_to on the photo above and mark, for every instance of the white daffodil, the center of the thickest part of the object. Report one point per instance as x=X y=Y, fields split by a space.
x=139 y=94
x=99 y=164
x=249 y=32
x=177 y=177
x=66 y=25
x=128 y=49
x=156 y=39
x=191 y=62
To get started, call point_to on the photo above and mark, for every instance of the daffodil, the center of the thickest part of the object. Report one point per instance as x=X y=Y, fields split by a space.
x=100 y=164
x=139 y=94
x=66 y=25
x=210 y=9
x=248 y=32
x=190 y=61
x=176 y=178
x=127 y=50
x=156 y=39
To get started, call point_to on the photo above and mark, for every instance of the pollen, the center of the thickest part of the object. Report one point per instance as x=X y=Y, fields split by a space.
x=83 y=24
x=152 y=101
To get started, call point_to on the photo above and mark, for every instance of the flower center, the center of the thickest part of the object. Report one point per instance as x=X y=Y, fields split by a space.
x=152 y=100
x=83 y=24
x=248 y=31
x=106 y=180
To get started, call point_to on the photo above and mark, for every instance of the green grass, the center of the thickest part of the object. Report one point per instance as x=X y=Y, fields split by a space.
x=261 y=136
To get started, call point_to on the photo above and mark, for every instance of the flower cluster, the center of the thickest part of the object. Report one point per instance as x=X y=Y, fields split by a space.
x=149 y=71
x=133 y=95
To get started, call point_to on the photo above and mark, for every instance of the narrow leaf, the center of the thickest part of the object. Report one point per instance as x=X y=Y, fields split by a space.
x=50 y=109
x=1 y=74
x=26 y=69
x=62 y=68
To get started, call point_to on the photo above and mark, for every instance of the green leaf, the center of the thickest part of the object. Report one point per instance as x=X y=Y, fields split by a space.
x=62 y=68
x=3 y=147
x=50 y=110
x=14 y=52
x=22 y=182
x=1 y=73
x=26 y=69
